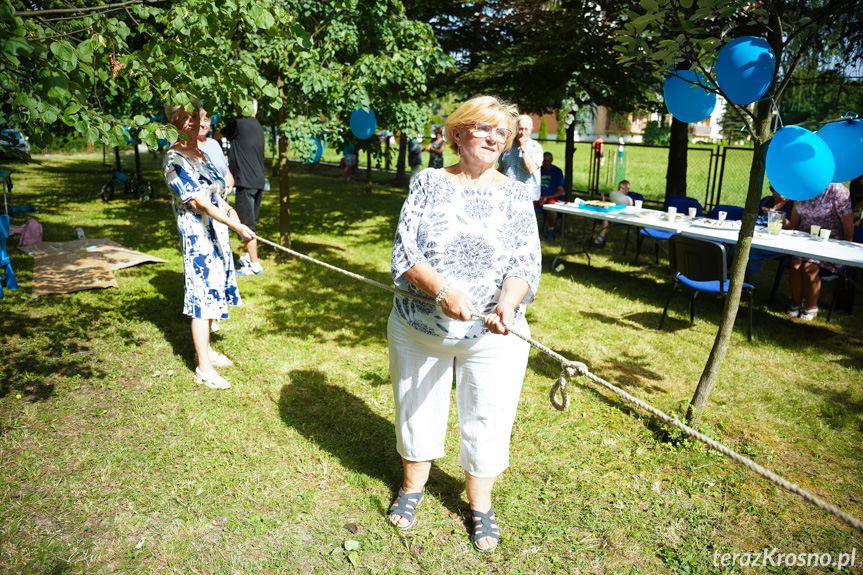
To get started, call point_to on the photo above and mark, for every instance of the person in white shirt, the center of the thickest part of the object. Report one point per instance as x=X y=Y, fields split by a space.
x=522 y=161
x=466 y=238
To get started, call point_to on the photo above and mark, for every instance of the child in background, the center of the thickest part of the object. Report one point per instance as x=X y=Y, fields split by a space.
x=620 y=196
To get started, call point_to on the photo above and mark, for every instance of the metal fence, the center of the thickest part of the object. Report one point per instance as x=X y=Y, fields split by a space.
x=715 y=174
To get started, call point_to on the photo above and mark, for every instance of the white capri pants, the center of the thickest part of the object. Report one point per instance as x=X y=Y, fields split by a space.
x=489 y=372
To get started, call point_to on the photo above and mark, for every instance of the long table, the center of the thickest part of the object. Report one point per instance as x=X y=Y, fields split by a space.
x=789 y=242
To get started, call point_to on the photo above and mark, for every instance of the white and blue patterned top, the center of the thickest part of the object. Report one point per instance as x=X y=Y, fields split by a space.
x=208 y=267
x=511 y=163
x=475 y=238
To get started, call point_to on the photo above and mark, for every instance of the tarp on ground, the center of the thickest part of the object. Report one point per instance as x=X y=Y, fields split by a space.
x=65 y=267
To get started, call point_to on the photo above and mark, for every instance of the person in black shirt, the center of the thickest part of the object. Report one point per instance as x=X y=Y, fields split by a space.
x=246 y=156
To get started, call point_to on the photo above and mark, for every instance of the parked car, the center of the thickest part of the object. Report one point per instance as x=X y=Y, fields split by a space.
x=13 y=140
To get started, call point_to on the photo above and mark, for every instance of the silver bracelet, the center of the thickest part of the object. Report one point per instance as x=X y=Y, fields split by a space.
x=441 y=293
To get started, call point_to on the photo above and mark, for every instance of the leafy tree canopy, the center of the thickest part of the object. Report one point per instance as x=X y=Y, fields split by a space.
x=98 y=69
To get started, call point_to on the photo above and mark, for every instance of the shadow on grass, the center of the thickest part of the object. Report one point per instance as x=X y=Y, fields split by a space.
x=45 y=349
x=840 y=409
x=363 y=441
x=328 y=304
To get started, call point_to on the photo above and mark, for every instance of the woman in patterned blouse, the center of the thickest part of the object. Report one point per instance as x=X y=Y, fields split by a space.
x=203 y=219
x=831 y=210
x=466 y=237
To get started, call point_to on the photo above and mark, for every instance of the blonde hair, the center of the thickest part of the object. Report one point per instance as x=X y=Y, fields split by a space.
x=488 y=109
x=173 y=108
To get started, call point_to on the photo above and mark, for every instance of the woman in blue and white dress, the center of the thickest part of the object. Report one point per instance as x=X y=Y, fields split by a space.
x=467 y=238
x=203 y=219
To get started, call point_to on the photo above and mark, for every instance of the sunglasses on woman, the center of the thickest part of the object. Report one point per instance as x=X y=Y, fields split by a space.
x=482 y=130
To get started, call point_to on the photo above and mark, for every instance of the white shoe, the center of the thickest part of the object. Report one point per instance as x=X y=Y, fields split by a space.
x=212 y=380
x=242 y=262
x=219 y=359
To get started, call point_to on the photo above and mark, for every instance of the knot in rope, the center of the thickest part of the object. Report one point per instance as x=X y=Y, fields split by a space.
x=570 y=369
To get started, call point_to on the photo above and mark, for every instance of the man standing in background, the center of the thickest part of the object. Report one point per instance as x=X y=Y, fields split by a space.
x=522 y=160
x=246 y=156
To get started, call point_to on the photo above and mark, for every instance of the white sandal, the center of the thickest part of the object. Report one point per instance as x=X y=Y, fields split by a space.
x=219 y=359
x=212 y=380
x=794 y=311
x=809 y=314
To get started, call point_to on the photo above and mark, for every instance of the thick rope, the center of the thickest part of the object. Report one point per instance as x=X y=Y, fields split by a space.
x=575 y=368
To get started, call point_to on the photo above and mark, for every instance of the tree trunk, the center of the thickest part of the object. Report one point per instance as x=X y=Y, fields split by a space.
x=856 y=188
x=368 y=171
x=675 y=176
x=284 y=180
x=138 y=177
x=277 y=149
x=401 y=174
x=569 y=150
x=387 y=154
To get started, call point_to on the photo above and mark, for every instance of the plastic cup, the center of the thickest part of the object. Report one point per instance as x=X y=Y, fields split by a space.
x=722 y=216
x=814 y=230
x=692 y=212
x=672 y=212
x=638 y=204
x=824 y=235
x=774 y=222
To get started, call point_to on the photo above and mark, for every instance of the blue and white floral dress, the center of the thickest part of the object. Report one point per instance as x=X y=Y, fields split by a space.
x=475 y=237
x=208 y=267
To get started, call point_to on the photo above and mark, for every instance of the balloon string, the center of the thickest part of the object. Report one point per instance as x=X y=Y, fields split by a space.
x=849 y=113
x=778 y=115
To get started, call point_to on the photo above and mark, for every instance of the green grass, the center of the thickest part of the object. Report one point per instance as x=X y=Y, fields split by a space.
x=114 y=461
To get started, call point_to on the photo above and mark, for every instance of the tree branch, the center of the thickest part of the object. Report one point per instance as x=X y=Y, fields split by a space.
x=103 y=8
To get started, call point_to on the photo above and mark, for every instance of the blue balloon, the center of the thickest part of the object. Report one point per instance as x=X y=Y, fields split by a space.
x=845 y=140
x=363 y=123
x=318 y=150
x=686 y=97
x=127 y=136
x=799 y=164
x=745 y=68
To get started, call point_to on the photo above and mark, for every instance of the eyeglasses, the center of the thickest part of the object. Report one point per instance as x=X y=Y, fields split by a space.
x=483 y=130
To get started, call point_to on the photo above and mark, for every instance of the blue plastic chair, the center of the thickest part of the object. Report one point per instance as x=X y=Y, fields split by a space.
x=5 y=265
x=682 y=203
x=635 y=196
x=701 y=266
x=731 y=212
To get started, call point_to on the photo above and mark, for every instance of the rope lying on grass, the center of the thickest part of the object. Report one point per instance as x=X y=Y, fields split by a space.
x=575 y=368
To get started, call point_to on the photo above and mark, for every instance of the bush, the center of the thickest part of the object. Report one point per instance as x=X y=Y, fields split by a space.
x=543 y=129
x=657 y=134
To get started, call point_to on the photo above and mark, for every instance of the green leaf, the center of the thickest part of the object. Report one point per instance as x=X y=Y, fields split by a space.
x=18 y=46
x=92 y=134
x=352 y=545
x=686 y=4
x=354 y=558
x=265 y=19
x=58 y=92
x=64 y=51
x=141 y=120
x=85 y=49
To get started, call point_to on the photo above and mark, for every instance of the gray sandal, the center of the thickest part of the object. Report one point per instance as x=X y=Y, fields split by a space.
x=485 y=527
x=406 y=505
